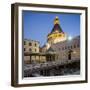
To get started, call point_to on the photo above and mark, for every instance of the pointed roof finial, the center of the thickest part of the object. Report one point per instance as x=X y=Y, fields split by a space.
x=57 y=26
x=56 y=20
x=56 y=17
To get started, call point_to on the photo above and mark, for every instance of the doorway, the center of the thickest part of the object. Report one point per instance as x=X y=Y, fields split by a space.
x=70 y=54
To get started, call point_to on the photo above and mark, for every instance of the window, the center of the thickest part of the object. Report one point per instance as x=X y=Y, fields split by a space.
x=68 y=47
x=24 y=49
x=65 y=47
x=24 y=42
x=59 y=49
x=30 y=49
x=60 y=35
x=78 y=45
x=30 y=44
x=62 y=48
x=71 y=47
x=35 y=44
x=74 y=46
x=35 y=50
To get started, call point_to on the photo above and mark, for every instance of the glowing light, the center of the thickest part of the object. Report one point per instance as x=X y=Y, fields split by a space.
x=56 y=17
x=70 y=38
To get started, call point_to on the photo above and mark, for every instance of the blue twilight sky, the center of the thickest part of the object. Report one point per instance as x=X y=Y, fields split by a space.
x=37 y=25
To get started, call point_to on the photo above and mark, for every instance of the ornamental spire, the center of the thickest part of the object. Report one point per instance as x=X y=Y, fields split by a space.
x=56 y=20
x=57 y=26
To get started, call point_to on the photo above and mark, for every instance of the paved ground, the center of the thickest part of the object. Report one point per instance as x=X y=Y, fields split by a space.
x=70 y=67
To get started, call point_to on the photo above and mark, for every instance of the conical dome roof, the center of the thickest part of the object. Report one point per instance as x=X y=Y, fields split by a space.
x=57 y=26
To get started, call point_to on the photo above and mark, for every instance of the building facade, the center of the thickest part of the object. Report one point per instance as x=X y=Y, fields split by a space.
x=68 y=50
x=30 y=46
x=57 y=40
x=58 y=47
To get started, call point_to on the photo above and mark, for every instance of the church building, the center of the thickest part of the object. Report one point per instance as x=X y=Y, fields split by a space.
x=56 y=35
x=57 y=48
x=57 y=41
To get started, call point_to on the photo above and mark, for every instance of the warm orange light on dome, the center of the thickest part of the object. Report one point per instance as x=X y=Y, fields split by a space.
x=56 y=35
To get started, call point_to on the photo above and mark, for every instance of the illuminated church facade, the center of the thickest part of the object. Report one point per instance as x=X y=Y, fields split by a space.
x=58 y=47
x=57 y=34
x=59 y=42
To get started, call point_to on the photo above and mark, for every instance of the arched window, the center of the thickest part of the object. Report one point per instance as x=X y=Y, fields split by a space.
x=59 y=48
x=30 y=44
x=30 y=49
x=35 y=49
x=35 y=44
x=24 y=49
x=68 y=47
x=71 y=47
x=74 y=46
x=60 y=35
x=62 y=48
x=65 y=47
x=78 y=45
x=24 y=42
